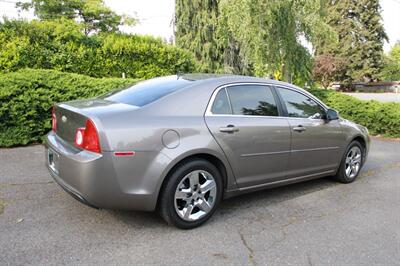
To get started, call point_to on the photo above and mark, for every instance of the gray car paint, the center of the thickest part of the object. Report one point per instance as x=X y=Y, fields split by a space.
x=260 y=155
x=317 y=149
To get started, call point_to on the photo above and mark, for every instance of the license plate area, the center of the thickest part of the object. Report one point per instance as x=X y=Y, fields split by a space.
x=53 y=160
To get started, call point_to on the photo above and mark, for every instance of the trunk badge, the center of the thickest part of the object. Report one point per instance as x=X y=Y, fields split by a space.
x=64 y=118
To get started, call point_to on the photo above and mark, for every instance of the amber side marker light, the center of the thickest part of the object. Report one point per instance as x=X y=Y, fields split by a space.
x=124 y=153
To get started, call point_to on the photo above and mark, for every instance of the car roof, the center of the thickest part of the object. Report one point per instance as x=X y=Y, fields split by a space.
x=192 y=99
x=221 y=79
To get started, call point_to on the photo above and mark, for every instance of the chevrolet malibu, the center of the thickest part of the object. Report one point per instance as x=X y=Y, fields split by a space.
x=181 y=144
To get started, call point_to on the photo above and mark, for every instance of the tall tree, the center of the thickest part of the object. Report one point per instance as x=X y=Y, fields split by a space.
x=232 y=58
x=94 y=14
x=258 y=37
x=391 y=71
x=270 y=34
x=195 y=30
x=360 y=33
x=372 y=37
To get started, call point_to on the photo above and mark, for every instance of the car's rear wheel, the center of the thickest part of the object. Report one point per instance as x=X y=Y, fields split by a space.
x=191 y=194
x=351 y=163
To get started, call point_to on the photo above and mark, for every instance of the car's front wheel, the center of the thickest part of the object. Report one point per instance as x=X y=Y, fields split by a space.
x=351 y=163
x=191 y=194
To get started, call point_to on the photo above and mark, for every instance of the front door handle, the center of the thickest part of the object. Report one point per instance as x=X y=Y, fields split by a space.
x=229 y=129
x=299 y=128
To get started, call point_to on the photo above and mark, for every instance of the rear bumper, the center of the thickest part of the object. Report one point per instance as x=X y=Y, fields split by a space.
x=94 y=180
x=75 y=194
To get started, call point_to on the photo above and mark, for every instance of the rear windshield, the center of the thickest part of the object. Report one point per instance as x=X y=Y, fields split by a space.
x=148 y=91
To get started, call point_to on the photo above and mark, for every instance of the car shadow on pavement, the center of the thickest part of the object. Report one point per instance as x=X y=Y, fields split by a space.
x=276 y=195
x=230 y=206
x=139 y=219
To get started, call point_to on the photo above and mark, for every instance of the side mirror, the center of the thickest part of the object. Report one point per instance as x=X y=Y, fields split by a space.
x=332 y=115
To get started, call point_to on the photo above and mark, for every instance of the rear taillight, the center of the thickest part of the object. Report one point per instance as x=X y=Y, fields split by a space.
x=53 y=119
x=87 y=137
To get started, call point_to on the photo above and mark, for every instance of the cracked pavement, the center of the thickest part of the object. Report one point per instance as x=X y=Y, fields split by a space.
x=319 y=222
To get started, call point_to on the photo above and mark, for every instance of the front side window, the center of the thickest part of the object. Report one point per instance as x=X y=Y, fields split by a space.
x=299 y=105
x=252 y=100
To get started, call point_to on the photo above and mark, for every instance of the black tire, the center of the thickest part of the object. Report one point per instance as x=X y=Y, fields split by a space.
x=167 y=197
x=341 y=175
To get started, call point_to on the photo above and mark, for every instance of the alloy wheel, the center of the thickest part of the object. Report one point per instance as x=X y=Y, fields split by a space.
x=353 y=162
x=195 y=195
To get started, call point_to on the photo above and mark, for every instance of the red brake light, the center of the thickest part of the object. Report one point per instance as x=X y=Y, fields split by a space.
x=53 y=119
x=87 y=137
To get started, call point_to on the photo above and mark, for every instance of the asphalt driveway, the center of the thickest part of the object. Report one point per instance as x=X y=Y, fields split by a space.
x=314 y=223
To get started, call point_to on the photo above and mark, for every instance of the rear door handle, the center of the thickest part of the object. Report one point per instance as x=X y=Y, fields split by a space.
x=229 y=129
x=299 y=128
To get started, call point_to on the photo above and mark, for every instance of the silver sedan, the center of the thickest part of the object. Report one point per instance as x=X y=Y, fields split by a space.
x=181 y=144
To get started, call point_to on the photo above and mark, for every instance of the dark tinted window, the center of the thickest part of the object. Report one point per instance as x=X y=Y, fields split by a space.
x=252 y=100
x=299 y=105
x=221 y=104
x=147 y=91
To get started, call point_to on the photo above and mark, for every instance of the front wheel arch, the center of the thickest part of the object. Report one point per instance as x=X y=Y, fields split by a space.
x=340 y=176
x=363 y=143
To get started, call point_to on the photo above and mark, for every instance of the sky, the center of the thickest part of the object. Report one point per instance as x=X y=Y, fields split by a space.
x=155 y=16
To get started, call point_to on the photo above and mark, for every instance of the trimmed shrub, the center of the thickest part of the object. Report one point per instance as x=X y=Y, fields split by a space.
x=27 y=96
x=380 y=118
x=61 y=45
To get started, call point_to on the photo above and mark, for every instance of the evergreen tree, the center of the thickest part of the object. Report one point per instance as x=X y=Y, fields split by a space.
x=270 y=32
x=372 y=38
x=259 y=37
x=195 y=30
x=360 y=38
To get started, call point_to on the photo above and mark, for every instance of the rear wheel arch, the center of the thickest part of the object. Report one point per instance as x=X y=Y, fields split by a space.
x=214 y=160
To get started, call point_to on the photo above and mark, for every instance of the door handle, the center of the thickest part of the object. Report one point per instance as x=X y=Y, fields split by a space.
x=229 y=129
x=299 y=128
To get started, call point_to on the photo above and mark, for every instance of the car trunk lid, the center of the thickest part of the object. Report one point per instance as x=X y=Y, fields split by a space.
x=73 y=115
x=68 y=121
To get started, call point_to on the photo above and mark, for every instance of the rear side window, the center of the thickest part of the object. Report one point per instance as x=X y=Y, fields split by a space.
x=221 y=104
x=252 y=100
x=148 y=91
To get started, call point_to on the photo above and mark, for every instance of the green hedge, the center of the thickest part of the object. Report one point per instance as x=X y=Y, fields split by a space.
x=26 y=98
x=61 y=45
x=380 y=118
